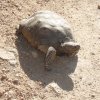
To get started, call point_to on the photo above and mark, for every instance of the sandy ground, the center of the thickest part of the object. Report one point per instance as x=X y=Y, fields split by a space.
x=76 y=78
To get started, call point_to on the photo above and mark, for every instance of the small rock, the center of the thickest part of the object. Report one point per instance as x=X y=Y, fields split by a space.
x=4 y=70
x=2 y=90
x=8 y=95
x=14 y=99
x=92 y=96
x=17 y=75
x=22 y=98
x=89 y=83
x=16 y=81
x=42 y=83
x=11 y=49
x=4 y=54
x=12 y=62
x=11 y=92
x=7 y=55
x=46 y=0
x=1 y=94
x=98 y=6
x=55 y=88
x=3 y=77
x=19 y=8
x=80 y=78
x=92 y=53
x=38 y=2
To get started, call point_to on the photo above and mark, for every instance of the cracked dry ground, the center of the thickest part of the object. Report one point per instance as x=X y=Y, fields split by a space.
x=21 y=67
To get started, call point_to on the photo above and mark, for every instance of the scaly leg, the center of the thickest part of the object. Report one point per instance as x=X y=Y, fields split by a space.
x=50 y=55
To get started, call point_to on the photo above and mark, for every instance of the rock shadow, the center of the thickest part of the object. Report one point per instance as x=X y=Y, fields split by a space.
x=32 y=61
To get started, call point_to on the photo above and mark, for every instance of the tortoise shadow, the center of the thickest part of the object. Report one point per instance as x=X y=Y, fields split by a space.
x=32 y=63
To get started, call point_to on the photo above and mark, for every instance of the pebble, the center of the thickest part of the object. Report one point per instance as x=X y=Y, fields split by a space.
x=55 y=88
x=14 y=99
x=4 y=70
x=98 y=6
x=2 y=91
x=12 y=62
x=92 y=53
x=92 y=96
x=8 y=95
x=22 y=98
x=4 y=54
x=7 y=55
x=19 y=8
x=89 y=83
x=3 y=77
x=1 y=94
x=16 y=81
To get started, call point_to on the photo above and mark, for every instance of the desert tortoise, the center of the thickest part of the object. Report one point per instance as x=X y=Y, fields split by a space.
x=49 y=33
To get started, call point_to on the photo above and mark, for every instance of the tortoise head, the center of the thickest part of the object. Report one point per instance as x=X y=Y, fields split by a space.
x=70 y=48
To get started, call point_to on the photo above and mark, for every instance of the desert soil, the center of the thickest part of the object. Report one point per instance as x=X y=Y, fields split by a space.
x=22 y=76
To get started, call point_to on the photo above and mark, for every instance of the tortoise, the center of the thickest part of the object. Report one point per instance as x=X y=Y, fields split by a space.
x=50 y=33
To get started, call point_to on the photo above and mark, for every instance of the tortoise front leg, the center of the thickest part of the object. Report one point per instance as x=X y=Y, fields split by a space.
x=50 y=56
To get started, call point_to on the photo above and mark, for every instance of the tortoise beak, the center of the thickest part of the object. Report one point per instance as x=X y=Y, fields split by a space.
x=71 y=48
x=77 y=46
x=71 y=44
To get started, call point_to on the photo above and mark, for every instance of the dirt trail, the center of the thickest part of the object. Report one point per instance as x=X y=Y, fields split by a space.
x=23 y=77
